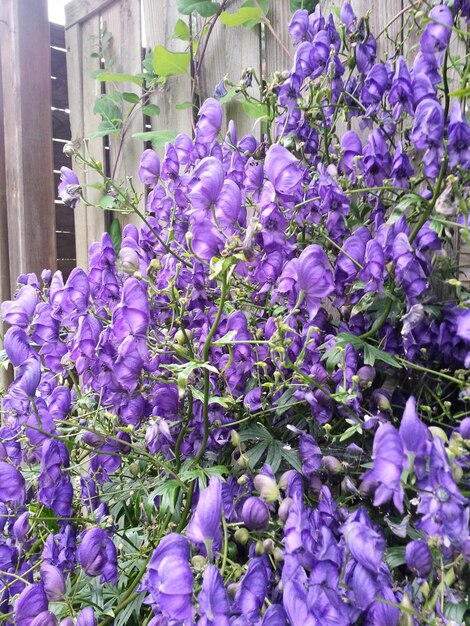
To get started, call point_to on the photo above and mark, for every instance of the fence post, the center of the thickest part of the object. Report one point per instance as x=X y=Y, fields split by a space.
x=27 y=125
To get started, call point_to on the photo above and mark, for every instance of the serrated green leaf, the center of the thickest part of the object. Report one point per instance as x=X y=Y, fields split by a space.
x=181 y=31
x=292 y=457
x=114 y=77
x=255 y=431
x=242 y=16
x=205 y=8
x=166 y=63
x=255 y=453
x=256 y=110
x=158 y=137
x=111 y=117
x=199 y=395
x=274 y=455
x=394 y=557
x=151 y=110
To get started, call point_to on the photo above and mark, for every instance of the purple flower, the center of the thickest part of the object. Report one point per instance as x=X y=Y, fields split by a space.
x=204 y=526
x=31 y=602
x=314 y=277
x=46 y=618
x=86 y=617
x=149 y=169
x=389 y=461
x=298 y=25
x=352 y=149
x=12 y=484
x=55 y=488
x=427 y=134
x=16 y=344
x=53 y=581
x=252 y=590
x=365 y=545
x=255 y=513
x=132 y=315
x=205 y=186
x=212 y=599
x=310 y=455
x=282 y=170
x=401 y=91
x=97 y=555
x=436 y=35
x=69 y=187
x=401 y=168
x=169 y=578
x=419 y=558
x=206 y=240
x=375 y=84
x=19 y=311
x=209 y=122
x=458 y=145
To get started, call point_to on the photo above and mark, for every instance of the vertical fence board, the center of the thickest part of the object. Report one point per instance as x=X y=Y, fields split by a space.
x=278 y=44
x=160 y=20
x=230 y=50
x=83 y=90
x=124 y=55
x=25 y=54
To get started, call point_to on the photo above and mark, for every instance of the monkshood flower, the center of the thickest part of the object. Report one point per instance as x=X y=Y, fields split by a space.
x=252 y=590
x=314 y=277
x=21 y=527
x=46 y=618
x=213 y=600
x=384 y=479
x=17 y=346
x=169 y=579
x=255 y=513
x=206 y=240
x=97 y=555
x=69 y=187
x=209 y=122
x=401 y=95
x=69 y=300
x=427 y=134
x=149 y=168
x=436 y=35
x=55 y=488
x=365 y=545
x=204 y=526
x=205 y=186
x=375 y=85
x=376 y=162
x=401 y=168
x=283 y=170
x=31 y=602
x=458 y=145
x=351 y=147
x=415 y=436
x=86 y=617
x=131 y=316
x=19 y=311
x=298 y=26
x=12 y=484
x=419 y=558
x=54 y=582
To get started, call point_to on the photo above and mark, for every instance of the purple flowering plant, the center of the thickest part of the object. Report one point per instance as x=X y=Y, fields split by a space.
x=253 y=409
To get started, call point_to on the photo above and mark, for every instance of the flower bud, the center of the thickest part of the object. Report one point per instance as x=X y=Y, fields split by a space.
x=267 y=488
x=129 y=260
x=53 y=581
x=284 y=509
x=278 y=555
x=242 y=536
x=268 y=546
x=259 y=548
x=255 y=513
x=234 y=438
x=199 y=562
x=331 y=464
x=21 y=527
x=366 y=375
x=405 y=618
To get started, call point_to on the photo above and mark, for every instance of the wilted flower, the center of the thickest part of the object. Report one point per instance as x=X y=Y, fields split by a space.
x=69 y=187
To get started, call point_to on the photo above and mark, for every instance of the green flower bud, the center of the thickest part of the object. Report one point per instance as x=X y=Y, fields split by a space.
x=267 y=488
x=242 y=536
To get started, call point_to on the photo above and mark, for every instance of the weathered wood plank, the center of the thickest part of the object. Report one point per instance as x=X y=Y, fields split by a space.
x=278 y=44
x=122 y=20
x=80 y=41
x=160 y=20
x=58 y=63
x=24 y=27
x=57 y=35
x=81 y=10
x=4 y=264
x=230 y=50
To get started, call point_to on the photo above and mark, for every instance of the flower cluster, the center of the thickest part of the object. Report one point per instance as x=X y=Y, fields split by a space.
x=254 y=410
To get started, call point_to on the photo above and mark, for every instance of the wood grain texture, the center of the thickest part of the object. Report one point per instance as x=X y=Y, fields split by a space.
x=79 y=11
x=160 y=20
x=28 y=130
x=278 y=59
x=230 y=50
x=5 y=293
x=81 y=41
x=124 y=54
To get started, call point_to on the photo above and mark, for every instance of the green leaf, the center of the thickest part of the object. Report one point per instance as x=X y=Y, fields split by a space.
x=181 y=31
x=461 y=93
x=116 y=235
x=274 y=455
x=292 y=457
x=455 y=612
x=254 y=454
x=151 y=110
x=167 y=492
x=255 y=431
x=110 y=77
x=256 y=110
x=394 y=557
x=224 y=402
x=110 y=115
x=183 y=105
x=107 y=202
x=205 y=8
x=158 y=137
x=131 y=97
x=4 y=360
x=378 y=355
x=242 y=16
x=166 y=63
